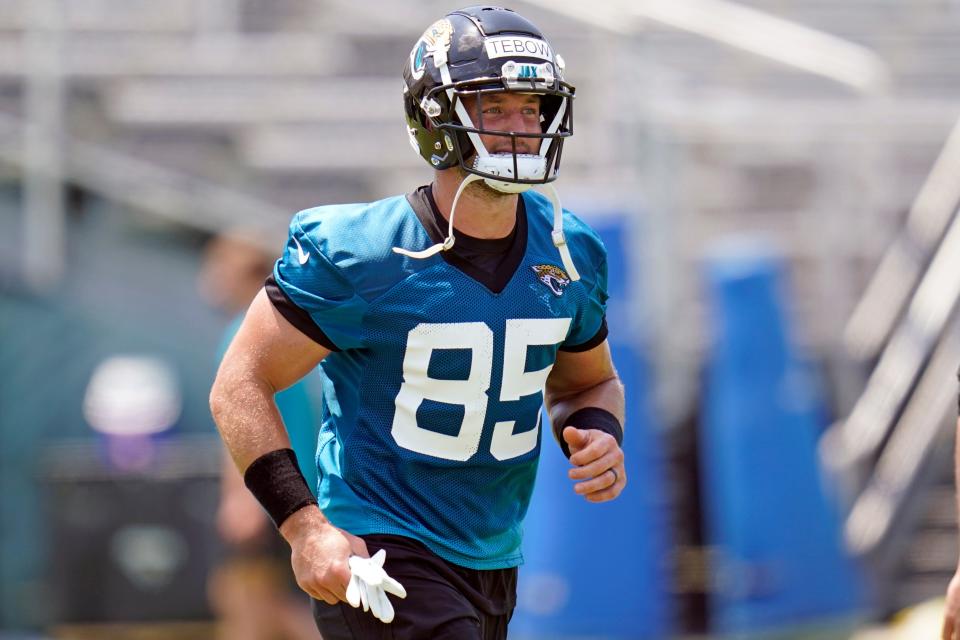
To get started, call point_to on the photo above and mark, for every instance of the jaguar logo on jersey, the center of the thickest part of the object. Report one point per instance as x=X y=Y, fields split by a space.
x=554 y=277
x=435 y=38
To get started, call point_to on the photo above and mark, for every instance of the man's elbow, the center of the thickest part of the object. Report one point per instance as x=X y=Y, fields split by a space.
x=235 y=388
x=219 y=399
x=216 y=402
x=619 y=384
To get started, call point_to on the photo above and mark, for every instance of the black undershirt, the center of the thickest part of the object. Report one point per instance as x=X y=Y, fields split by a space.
x=490 y=261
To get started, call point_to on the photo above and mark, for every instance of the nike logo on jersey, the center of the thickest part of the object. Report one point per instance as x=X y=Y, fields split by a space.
x=302 y=256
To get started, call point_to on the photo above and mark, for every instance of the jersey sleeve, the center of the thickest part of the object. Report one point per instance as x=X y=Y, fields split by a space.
x=310 y=290
x=590 y=323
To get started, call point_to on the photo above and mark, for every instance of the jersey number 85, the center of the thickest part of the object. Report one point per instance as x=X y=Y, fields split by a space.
x=471 y=393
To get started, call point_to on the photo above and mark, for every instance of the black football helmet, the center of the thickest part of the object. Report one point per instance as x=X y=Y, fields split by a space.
x=477 y=51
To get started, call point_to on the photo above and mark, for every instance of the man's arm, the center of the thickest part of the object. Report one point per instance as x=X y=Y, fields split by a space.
x=579 y=381
x=951 y=613
x=267 y=355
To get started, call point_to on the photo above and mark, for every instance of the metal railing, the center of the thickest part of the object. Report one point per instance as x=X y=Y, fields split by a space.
x=907 y=320
x=144 y=186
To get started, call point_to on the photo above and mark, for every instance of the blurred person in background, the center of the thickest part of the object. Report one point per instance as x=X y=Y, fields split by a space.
x=253 y=592
x=438 y=342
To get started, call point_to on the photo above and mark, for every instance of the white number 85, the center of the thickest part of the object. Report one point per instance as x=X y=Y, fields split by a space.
x=471 y=393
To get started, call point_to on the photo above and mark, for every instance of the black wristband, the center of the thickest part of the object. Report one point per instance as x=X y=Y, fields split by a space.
x=276 y=482
x=589 y=418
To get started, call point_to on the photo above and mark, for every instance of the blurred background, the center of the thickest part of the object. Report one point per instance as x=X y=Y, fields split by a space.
x=776 y=182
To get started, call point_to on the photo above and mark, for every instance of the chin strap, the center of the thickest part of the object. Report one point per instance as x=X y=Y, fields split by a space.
x=449 y=240
x=559 y=240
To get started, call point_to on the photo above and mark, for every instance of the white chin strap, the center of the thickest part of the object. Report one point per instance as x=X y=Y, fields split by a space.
x=559 y=240
x=449 y=240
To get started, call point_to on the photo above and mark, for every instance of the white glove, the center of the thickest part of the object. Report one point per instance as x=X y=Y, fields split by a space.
x=369 y=585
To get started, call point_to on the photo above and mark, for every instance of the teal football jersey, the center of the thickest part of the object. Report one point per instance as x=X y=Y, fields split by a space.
x=431 y=425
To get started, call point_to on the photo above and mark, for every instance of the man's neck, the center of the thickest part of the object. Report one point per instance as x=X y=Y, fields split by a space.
x=481 y=211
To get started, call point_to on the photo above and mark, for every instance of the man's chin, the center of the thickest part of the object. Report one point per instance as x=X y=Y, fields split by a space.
x=483 y=190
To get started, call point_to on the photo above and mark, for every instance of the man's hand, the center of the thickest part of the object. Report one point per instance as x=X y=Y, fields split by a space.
x=598 y=463
x=951 y=610
x=320 y=553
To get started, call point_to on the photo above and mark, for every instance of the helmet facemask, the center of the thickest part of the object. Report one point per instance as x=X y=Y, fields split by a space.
x=527 y=158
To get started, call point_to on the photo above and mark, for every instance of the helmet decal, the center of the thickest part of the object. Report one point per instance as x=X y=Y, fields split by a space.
x=435 y=38
x=514 y=46
x=527 y=75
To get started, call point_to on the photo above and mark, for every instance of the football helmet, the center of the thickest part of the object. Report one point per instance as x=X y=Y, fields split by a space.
x=474 y=52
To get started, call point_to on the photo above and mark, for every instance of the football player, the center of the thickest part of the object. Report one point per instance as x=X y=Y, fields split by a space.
x=441 y=321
